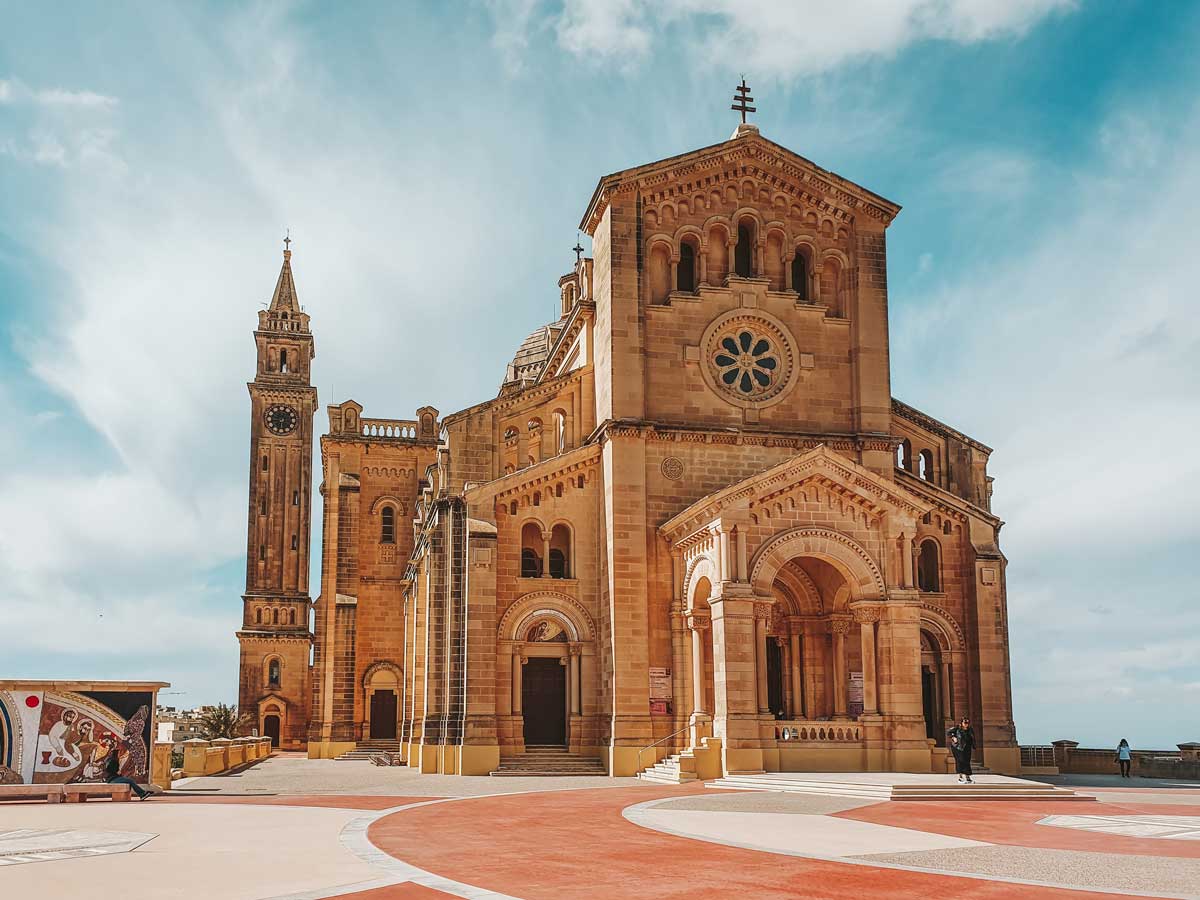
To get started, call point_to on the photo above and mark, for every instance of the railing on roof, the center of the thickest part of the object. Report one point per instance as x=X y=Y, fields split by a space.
x=402 y=429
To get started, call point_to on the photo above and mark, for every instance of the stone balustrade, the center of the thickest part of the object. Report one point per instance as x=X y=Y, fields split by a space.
x=403 y=429
x=818 y=732
x=201 y=757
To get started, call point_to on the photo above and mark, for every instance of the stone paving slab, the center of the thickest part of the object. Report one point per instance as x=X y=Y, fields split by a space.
x=1174 y=828
x=28 y=845
x=1153 y=875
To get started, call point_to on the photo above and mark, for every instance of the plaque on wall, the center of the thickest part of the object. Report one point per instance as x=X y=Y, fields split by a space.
x=660 y=683
x=854 y=695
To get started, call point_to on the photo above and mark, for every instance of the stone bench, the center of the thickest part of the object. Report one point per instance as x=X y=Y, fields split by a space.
x=51 y=793
x=78 y=793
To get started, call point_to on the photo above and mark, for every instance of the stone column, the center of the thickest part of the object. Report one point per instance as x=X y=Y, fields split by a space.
x=516 y=682
x=840 y=625
x=573 y=681
x=787 y=272
x=703 y=265
x=761 y=612
x=816 y=283
x=867 y=616
x=798 y=698
x=545 y=573
x=947 y=697
x=743 y=573
x=723 y=554
x=674 y=275
x=700 y=721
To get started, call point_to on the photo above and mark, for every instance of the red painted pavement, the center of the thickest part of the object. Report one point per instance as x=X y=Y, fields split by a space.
x=998 y=822
x=406 y=891
x=575 y=845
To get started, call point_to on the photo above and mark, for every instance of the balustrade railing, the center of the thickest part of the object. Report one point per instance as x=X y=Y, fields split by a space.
x=801 y=731
x=1037 y=755
x=404 y=429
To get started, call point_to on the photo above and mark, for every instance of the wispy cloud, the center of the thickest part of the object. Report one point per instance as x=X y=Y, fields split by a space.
x=15 y=92
x=780 y=41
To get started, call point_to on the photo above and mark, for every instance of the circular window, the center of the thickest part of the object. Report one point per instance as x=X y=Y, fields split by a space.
x=746 y=362
x=748 y=358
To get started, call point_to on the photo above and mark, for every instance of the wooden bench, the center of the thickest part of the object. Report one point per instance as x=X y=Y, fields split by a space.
x=51 y=793
x=78 y=793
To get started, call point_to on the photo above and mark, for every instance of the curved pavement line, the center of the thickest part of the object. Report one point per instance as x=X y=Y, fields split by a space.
x=633 y=814
x=354 y=838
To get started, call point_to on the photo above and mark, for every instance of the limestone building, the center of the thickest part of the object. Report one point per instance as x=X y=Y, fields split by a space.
x=693 y=514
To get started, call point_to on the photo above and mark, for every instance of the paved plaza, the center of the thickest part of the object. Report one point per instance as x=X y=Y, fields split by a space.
x=350 y=829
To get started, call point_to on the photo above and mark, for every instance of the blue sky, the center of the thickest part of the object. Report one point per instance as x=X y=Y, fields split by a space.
x=433 y=162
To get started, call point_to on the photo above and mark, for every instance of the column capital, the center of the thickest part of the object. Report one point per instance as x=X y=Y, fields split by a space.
x=575 y=649
x=698 y=622
x=865 y=611
x=839 y=624
x=762 y=609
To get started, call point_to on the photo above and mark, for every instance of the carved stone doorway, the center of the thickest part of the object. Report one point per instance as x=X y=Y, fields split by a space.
x=544 y=702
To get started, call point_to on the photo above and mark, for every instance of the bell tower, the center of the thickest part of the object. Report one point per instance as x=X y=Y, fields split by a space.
x=275 y=637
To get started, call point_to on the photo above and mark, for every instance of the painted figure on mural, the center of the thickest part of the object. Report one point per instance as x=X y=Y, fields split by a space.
x=64 y=738
x=133 y=761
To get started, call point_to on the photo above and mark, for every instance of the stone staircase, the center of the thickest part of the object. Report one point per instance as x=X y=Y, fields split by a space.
x=898 y=786
x=548 y=761
x=675 y=769
x=367 y=749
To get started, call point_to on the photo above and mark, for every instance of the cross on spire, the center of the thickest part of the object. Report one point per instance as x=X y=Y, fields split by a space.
x=287 y=241
x=742 y=99
x=578 y=248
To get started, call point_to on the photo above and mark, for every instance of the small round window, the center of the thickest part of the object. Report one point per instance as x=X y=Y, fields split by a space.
x=746 y=362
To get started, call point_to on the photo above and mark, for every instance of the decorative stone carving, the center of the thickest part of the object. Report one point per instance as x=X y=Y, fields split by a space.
x=748 y=358
x=672 y=468
x=840 y=624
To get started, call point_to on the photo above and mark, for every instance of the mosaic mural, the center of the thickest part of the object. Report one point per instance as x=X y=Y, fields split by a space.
x=48 y=737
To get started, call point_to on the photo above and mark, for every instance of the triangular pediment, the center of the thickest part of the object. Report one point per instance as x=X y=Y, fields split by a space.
x=757 y=157
x=837 y=475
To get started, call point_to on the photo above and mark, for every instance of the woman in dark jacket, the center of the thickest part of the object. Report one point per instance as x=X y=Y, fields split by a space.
x=962 y=745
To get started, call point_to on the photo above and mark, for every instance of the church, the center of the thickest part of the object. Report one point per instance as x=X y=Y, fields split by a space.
x=692 y=528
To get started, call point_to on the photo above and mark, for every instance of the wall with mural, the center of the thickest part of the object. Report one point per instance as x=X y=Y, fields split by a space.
x=65 y=737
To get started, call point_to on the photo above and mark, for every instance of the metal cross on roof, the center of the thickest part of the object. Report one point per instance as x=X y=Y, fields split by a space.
x=578 y=248
x=742 y=99
x=287 y=240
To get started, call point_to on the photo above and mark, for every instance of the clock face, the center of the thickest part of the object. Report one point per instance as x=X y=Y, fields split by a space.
x=281 y=419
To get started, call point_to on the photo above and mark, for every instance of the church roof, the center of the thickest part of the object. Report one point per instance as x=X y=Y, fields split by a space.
x=531 y=356
x=746 y=145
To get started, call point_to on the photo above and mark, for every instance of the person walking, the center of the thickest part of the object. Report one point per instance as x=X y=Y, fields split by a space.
x=1124 y=757
x=962 y=745
x=112 y=771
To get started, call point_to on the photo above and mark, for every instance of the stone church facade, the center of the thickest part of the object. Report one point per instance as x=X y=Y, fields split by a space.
x=692 y=523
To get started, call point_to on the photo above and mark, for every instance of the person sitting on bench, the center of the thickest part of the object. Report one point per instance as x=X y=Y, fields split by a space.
x=112 y=769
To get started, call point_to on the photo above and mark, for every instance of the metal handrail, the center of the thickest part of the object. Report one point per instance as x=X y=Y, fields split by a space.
x=656 y=743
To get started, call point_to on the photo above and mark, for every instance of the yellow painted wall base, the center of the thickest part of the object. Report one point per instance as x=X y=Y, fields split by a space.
x=476 y=759
x=915 y=760
x=708 y=759
x=821 y=759
x=1003 y=760
x=623 y=761
x=745 y=759
x=329 y=749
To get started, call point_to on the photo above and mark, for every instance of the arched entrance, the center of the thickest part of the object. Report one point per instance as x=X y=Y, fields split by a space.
x=271 y=728
x=381 y=683
x=544 y=687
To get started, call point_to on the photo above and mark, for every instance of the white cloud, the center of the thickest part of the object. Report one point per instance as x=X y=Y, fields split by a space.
x=14 y=91
x=787 y=39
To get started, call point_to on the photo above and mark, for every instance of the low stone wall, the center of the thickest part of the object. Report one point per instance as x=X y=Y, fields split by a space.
x=201 y=757
x=1184 y=763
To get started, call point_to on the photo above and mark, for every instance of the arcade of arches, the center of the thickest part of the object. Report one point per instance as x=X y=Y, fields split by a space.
x=692 y=522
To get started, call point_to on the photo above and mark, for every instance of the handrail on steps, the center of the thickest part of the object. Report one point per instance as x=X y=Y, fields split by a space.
x=656 y=743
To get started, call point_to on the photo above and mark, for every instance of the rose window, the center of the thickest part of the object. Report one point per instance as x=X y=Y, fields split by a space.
x=746 y=362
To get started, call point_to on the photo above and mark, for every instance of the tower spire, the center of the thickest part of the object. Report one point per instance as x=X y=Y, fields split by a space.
x=284 y=299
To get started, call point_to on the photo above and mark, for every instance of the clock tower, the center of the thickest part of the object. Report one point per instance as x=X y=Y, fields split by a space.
x=275 y=637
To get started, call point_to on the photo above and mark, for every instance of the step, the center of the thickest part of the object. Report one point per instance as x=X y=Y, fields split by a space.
x=882 y=791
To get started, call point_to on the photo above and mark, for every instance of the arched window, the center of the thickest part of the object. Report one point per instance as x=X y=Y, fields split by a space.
x=560 y=552
x=928 y=574
x=658 y=272
x=925 y=465
x=258 y=616
x=800 y=277
x=531 y=550
x=508 y=470
x=273 y=672
x=537 y=498
x=387 y=531
x=292 y=616
x=560 y=431
x=685 y=279
x=743 y=252
x=283 y=361
x=904 y=455
x=275 y=616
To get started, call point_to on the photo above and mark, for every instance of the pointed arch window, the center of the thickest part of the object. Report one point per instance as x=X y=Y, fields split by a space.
x=387 y=530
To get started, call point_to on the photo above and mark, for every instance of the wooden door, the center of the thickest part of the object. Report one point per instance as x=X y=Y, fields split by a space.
x=544 y=701
x=383 y=715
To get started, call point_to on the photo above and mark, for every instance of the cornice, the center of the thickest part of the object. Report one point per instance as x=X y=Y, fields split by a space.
x=914 y=415
x=757 y=157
